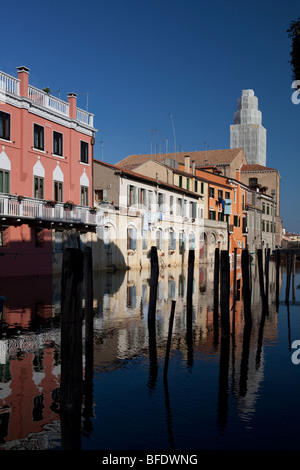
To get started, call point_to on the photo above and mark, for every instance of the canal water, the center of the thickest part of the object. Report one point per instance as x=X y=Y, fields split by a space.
x=244 y=396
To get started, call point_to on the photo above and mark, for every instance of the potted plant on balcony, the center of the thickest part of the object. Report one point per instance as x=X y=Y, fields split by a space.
x=50 y=203
x=93 y=210
x=20 y=197
x=68 y=205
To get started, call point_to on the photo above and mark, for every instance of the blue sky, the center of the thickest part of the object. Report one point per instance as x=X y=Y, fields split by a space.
x=135 y=62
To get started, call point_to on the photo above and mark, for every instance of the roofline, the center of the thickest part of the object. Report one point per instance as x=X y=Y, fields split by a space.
x=122 y=171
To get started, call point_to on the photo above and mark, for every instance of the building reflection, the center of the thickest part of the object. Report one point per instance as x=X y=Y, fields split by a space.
x=30 y=354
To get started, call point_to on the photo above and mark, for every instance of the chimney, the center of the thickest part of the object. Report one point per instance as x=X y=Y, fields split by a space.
x=193 y=167
x=72 y=100
x=238 y=175
x=187 y=163
x=23 y=73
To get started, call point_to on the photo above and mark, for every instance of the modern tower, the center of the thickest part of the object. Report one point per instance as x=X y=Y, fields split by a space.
x=247 y=131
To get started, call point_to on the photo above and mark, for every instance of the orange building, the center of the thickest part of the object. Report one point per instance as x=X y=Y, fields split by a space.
x=226 y=201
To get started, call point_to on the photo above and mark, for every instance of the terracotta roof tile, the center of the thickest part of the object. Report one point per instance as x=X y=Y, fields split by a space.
x=212 y=157
x=256 y=167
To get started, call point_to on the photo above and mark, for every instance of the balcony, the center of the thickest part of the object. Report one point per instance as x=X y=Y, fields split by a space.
x=11 y=85
x=16 y=210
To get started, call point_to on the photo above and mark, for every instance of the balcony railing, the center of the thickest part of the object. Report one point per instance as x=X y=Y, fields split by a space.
x=9 y=84
x=29 y=208
x=48 y=101
x=12 y=85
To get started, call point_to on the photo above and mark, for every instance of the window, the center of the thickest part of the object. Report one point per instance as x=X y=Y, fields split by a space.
x=161 y=201
x=268 y=209
x=4 y=181
x=211 y=192
x=263 y=225
x=252 y=182
x=58 y=191
x=179 y=207
x=132 y=195
x=38 y=137
x=38 y=190
x=188 y=183
x=4 y=125
x=142 y=198
x=221 y=216
x=180 y=181
x=196 y=186
x=131 y=238
x=193 y=209
x=99 y=195
x=145 y=240
x=57 y=143
x=227 y=195
x=202 y=187
x=4 y=235
x=235 y=220
x=243 y=203
x=171 y=204
x=84 y=152
x=84 y=195
x=212 y=215
x=159 y=241
x=150 y=199
x=220 y=193
x=172 y=241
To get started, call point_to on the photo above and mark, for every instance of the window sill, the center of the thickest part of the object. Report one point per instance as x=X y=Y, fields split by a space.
x=38 y=150
x=83 y=163
x=58 y=156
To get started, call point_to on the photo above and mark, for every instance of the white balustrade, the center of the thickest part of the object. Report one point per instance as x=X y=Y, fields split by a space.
x=85 y=117
x=12 y=85
x=29 y=208
x=48 y=101
x=9 y=84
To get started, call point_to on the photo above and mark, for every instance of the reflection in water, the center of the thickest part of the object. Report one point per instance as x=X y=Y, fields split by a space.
x=224 y=374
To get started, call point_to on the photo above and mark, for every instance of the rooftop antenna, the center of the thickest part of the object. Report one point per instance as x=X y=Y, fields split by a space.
x=150 y=130
x=101 y=142
x=87 y=99
x=206 y=149
x=170 y=114
x=155 y=131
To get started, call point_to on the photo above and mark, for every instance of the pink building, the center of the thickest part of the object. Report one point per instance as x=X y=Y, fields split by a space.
x=46 y=161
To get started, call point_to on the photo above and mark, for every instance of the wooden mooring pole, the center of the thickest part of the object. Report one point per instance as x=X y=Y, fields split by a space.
x=234 y=275
x=191 y=262
x=267 y=263
x=288 y=275
x=153 y=282
x=89 y=338
x=225 y=286
x=277 y=276
x=171 y=322
x=216 y=280
x=261 y=276
x=246 y=286
x=71 y=388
